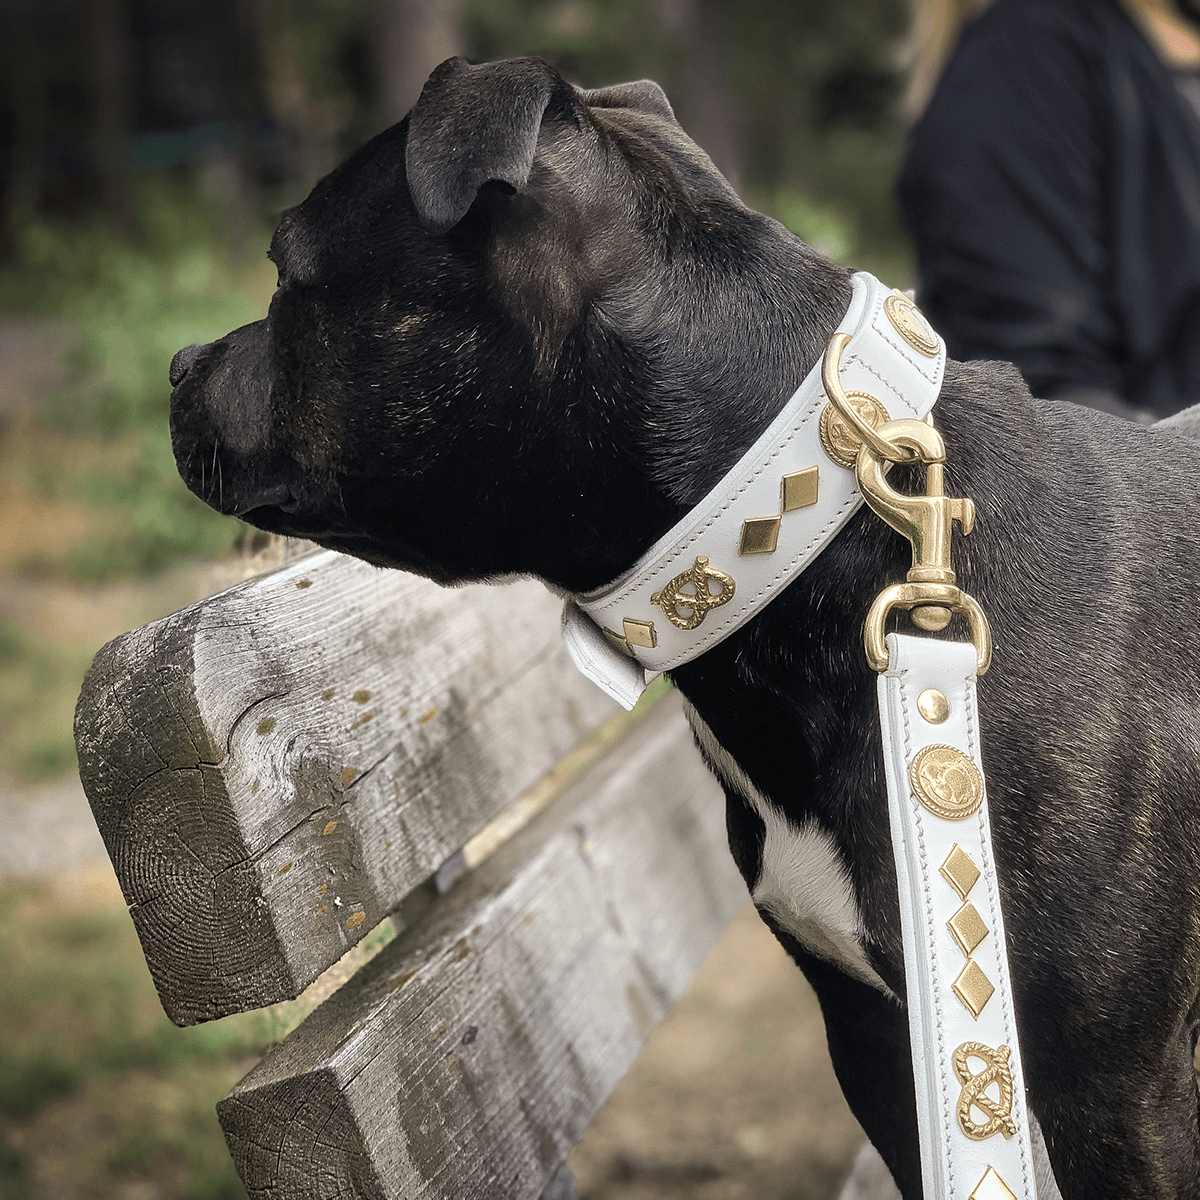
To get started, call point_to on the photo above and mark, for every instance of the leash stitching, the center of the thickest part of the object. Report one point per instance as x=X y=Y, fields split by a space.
x=930 y=929
x=992 y=878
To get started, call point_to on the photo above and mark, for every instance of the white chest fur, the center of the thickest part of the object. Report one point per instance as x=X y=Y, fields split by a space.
x=802 y=882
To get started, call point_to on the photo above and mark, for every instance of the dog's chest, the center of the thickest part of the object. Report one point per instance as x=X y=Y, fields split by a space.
x=802 y=881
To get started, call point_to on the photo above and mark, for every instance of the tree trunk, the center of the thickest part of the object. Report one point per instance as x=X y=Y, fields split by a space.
x=109 y=27
x=705 y=106
x=25 y=97
x=414 y=36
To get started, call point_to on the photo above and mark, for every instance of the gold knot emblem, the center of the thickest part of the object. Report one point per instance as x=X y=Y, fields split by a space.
x=997 y=1108
x=946 y=782
x=686 y=608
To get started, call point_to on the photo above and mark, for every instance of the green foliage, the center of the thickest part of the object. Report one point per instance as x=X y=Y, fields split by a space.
x=30 y=1081
x=592 y=43
x=134 y=305
x=90 y=1029
x=162 y=521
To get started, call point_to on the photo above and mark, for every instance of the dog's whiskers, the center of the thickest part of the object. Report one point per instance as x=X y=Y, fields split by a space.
x=213 y=470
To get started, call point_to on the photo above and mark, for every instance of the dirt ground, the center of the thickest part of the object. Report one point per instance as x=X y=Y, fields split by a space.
x=734 y=1095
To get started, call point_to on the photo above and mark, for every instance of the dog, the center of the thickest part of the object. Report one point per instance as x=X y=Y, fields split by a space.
x=524 y=331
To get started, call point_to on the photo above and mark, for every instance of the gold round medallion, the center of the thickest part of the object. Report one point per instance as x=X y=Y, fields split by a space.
x=946 y=782
x=911 y=325
x=838 y=438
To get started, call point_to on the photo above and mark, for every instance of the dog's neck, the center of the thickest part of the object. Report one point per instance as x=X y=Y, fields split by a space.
x=738 y=347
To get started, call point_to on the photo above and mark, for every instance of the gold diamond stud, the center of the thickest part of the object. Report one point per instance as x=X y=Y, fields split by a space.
x=800 y=489
x=968 y=928
x=640 y=633
x=617 y=641
x=760 y=535
x=992 y=1187
x=973 y=988
x=959 y=871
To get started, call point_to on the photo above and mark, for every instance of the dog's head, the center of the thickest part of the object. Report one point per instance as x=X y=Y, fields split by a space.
x=495 y=329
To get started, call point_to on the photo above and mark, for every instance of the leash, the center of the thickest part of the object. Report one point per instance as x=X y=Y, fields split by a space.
x=970 y=1094
x=867 y=405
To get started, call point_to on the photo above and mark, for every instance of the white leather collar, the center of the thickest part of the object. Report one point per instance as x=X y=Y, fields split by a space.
x=617 y=634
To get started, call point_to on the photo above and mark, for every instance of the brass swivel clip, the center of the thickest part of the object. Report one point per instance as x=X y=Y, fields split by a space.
x=930 y=594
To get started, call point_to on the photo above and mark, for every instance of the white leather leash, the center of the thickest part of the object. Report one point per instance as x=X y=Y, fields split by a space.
x=754 y=532
x=971 y=1114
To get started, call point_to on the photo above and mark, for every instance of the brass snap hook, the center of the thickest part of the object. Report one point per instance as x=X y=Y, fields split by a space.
x=930 y=595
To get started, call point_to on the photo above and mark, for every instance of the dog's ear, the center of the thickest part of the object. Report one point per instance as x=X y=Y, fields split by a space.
x=476 y=124
x=644 y=95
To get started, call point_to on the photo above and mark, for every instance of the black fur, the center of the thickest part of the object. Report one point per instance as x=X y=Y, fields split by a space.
x=541 y=362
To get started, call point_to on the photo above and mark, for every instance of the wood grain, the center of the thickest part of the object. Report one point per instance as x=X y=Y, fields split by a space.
x=275 y=768
x=467 y=1058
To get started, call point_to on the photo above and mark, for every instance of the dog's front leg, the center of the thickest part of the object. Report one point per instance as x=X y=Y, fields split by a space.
x=867 y=1030
x=868 y=1042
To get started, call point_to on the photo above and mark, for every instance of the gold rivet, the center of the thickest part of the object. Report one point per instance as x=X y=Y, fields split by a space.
x=992 y=1187
x=800 y=488
x=973 y=988
x=640 y=633
x=933 y=706
x=760 y=535
x=838 y=438
x=959 y=871
x=968 y=928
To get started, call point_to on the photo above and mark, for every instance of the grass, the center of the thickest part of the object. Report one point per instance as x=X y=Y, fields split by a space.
x=39 y=680
x=97 y=1088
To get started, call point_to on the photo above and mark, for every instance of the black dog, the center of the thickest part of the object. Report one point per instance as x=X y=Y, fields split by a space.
x=525 y=330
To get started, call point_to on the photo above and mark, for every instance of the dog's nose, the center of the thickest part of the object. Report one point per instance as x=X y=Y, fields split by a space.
x=183 y=362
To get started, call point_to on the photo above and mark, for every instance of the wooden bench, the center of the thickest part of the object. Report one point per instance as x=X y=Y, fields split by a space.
x=279 y=768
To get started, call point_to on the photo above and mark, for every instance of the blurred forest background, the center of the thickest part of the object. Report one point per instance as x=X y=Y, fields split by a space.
x=147 y=148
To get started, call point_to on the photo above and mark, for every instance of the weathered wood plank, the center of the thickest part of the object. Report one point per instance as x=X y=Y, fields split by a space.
x=275 y=768
x=469 y=1056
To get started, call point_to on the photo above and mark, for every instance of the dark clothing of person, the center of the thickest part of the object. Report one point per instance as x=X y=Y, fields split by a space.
x=1053 y=191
